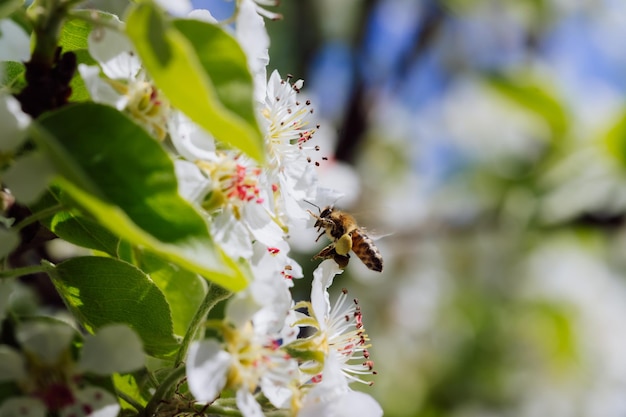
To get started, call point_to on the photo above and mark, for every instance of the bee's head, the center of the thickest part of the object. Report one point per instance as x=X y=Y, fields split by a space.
x=326 y=212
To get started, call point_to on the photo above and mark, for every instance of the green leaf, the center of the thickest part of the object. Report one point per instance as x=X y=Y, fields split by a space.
x=130 y=385
x=534 y=97
x=9 y=6
x=615 y=139
x=13 y=75
x=83 y=232
x=102 y=291
x=122 y=177
x=74 y=37
x=75 y=33
x=183 y=290
x=74 y=227
x=217 y=88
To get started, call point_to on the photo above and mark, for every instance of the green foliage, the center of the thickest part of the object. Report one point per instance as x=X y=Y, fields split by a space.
x=217 y=88
x=74 y=227
x=102 y=291
x=137 y=199
x=84 y=232
x=183 y=290
x=536 y=98
x=7 y=7
x=131 y=385
x=615 y=140
x=13 y=75
x=74 y=38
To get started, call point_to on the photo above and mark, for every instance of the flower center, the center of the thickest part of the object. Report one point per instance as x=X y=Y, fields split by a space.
x=145 y=105
x=234 y=184
x=51 y=383
x=288 y=120
x=347 y=337
x=253 y=359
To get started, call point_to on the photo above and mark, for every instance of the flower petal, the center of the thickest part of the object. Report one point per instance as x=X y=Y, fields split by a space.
x=192 y=184
x=322 y=279
x=351 y=403
x=255 y=42
x=276 y=387
x=29 y=176
x=92 y=402
x=207 y=369
x=355 y=403
x=261 y=225
x=47 y=341
x=9 y=240
x=114 y=348
x=203 y=15
x=12 y=364
x=22 y=407
x=247 y=404
x=176 y=7
x=14 y=123
x=333 y=398
x=14 y=42
x=243 y=306
x=190 y=140
x=114 y=52
x=100 y=90
x=232 y=236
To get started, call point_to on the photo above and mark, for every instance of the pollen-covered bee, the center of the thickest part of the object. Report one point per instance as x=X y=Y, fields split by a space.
x=345 y=235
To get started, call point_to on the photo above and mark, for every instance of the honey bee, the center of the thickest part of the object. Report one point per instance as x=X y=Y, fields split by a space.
x=345 y=235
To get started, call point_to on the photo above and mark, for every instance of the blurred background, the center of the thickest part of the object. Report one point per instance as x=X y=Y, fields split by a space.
x=484 y=142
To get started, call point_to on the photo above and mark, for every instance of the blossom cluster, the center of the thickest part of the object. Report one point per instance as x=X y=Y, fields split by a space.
x=268 y=352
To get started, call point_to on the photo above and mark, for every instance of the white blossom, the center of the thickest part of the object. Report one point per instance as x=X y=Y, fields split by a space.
x=250 y=357
x=125 y=84
x=51 y=380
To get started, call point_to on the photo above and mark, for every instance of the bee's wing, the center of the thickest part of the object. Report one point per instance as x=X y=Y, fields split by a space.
x=375 y=234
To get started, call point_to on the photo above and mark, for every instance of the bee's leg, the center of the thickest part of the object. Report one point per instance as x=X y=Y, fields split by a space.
x=321 y=234
x=342 y=260
x=330 y=252
x=327 y=252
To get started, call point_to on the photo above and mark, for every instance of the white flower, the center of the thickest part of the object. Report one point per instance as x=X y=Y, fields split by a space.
x=332 y=397
x=339 y=347
x=14 y=42
x=28 y=175
x=267 y=300
x=289 y=127
x=227 y=185
x=51 y=380
x=288 y=119
x=190 y=141
x=259 y=4
x=340 y=326
x=252 y=36
x=14 y=123
x=23 y=407
x=126 y=86
x=114 y=348
x=258 y=323
x=176 y=7
x=249 y=358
